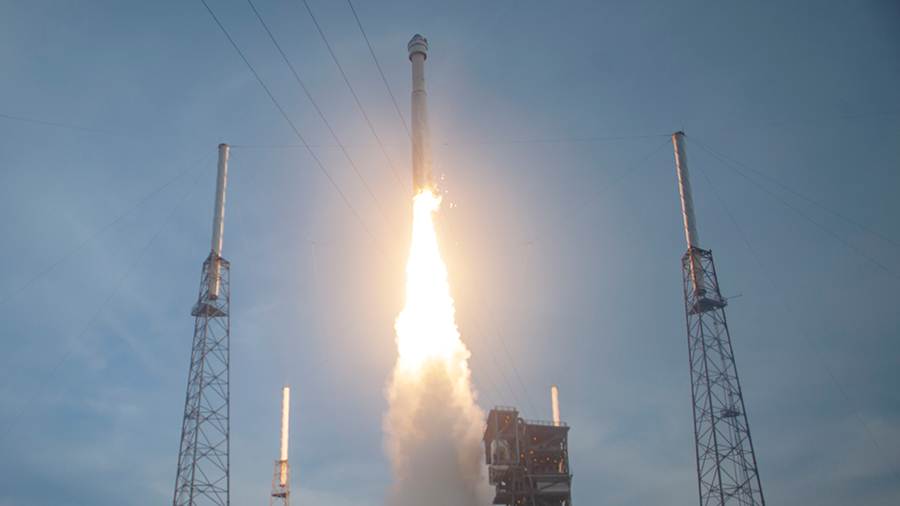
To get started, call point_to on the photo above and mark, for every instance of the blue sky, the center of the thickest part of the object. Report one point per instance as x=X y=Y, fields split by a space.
x=535 y=108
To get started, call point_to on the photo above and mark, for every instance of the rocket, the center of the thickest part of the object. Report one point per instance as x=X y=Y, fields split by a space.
x=423 y=178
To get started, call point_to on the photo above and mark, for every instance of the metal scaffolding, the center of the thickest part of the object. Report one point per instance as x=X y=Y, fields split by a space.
x=281 y=484
x=203 y=459
x=726 y=464
x=528 y=461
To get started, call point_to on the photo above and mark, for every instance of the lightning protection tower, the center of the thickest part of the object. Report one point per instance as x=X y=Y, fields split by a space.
x=281 y=476
x=726 y=464
x=203 y=458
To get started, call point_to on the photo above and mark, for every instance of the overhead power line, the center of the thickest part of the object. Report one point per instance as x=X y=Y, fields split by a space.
x=816 y=120
x=406 y=127
x=610 y=185
x=794 y=317
x=110 y=132
x=358 y=103
x=467 y=143
x=269 y=198
x=814 y=222
x=386 y=85
x=276 y=357
x=333 y=134
x=811 y=201
x=491 y=315
x=493 y=356
x=302 y=140
x=104 y=229
x=102 y=306
x=547 y=141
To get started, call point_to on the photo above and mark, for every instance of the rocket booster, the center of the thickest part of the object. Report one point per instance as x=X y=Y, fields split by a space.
x=423 y=179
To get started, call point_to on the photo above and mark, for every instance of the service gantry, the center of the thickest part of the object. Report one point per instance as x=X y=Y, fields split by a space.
x=528 y=461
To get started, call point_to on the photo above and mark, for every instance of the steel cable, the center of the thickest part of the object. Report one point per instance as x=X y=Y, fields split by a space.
x=794 y=317
x=102 y=306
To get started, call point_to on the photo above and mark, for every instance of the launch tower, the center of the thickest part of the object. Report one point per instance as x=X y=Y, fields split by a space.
x=203 y=458
x=528 y=461
x=726 y=464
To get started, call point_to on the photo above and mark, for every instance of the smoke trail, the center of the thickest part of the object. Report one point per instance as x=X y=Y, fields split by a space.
x=433 y=427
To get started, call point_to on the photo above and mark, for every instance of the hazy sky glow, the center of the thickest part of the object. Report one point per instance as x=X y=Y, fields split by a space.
x=535 y=108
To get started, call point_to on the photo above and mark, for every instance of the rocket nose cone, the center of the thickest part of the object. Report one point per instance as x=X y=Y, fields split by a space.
x=418 y=44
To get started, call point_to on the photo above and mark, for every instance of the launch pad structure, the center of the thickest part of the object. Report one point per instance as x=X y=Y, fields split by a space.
x=528 y=461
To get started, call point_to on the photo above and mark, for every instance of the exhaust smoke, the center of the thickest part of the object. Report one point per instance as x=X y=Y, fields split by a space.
x=433 y=427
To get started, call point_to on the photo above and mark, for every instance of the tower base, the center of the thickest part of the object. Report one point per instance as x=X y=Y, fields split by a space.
x=281 y=484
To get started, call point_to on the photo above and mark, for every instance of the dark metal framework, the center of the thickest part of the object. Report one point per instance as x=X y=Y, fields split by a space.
x=203 y=459
x=281 y=484
x=528 y=461
x=726 y=464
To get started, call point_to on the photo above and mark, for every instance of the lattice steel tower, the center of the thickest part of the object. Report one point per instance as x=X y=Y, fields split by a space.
x=726 y=465
x=203 y=458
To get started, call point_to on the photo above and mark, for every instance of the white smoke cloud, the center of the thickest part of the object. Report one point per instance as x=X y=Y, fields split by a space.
x=433 y=438
x=433 y=429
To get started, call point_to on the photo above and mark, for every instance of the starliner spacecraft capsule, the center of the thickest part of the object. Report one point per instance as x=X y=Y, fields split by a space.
x=423 y=179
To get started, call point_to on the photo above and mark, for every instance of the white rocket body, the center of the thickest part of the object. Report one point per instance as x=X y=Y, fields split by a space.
x=423 y=178
x=218 y=222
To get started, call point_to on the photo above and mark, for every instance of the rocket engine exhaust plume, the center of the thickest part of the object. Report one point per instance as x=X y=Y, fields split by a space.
x=433 y=427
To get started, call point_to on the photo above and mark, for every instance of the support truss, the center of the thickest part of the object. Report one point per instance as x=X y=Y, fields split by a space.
x=281 y=484
x=203 y=459
x=726 y=464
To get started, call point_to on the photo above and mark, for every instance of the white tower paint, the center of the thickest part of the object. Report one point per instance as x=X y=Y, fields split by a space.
x=687 y=207
x=421 y=135
x=554 y=396
x=687 y=198
x=218 y=222
x=285 y=424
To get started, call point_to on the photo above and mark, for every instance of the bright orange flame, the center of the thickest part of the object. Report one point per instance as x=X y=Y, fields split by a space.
x=431 y=383
x=426 y=328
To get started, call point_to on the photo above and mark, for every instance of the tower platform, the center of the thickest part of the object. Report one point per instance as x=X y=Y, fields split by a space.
x=528 y=460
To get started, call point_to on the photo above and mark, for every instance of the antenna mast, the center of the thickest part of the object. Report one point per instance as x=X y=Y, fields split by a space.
x=726 y=465
x=281 y=476
x=203 y=458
